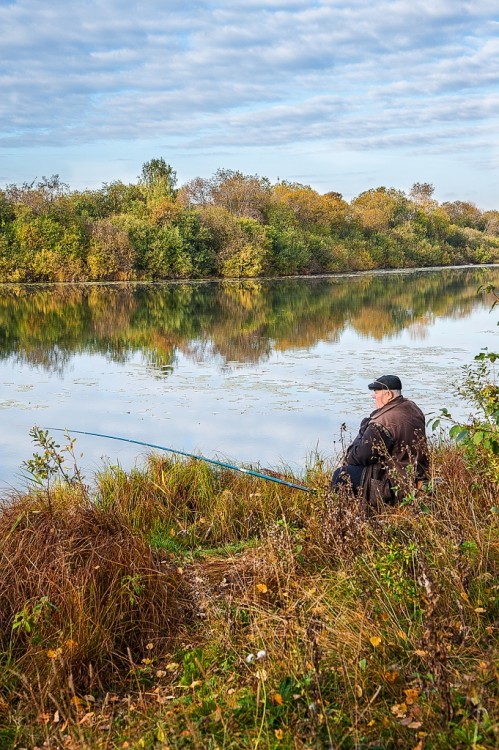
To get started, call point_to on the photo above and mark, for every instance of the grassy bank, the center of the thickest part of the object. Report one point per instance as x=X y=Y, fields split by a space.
x=183 y=607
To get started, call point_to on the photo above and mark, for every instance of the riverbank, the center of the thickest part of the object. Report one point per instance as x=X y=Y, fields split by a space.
x=229 y=226
x=186 y=607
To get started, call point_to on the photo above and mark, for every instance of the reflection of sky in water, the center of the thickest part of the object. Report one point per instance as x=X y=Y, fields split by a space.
x=272 y=413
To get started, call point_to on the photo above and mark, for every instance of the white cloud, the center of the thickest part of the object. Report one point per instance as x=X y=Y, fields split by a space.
x=242 y=74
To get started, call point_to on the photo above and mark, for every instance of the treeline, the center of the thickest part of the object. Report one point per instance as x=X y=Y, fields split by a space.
x=227 y=226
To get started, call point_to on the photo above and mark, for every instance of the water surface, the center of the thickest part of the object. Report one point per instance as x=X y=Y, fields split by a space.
x=254 y=372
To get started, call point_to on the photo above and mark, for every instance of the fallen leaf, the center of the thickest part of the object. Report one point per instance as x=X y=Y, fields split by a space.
x=375 y=640
x=279 y=734
x=399 y=710
x=277 y=698
x=391 y=676
x=86 y=718
x=411 y=696
x=358 y=691
x=262 y=588
x=160 y=735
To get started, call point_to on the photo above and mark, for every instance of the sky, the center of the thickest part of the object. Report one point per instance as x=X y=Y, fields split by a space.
x=342 y=95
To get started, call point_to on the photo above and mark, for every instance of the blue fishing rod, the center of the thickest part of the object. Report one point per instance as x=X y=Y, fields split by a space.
x=190 y=455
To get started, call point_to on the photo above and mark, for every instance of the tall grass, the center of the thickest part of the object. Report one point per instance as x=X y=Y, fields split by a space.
x=188 y=607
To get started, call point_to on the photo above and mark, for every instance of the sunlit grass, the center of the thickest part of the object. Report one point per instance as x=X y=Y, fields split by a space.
x=186 y=607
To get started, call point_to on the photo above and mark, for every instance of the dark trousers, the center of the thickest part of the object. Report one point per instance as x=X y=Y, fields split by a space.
x=348 y=474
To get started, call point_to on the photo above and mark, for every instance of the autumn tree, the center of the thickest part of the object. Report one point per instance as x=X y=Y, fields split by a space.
x=309 y=208
x=241 y=195
x=380 y=208
x=463 y=214
x=421 y=194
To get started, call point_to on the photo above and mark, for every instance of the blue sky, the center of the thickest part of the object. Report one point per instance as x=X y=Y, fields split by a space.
x=340 y=95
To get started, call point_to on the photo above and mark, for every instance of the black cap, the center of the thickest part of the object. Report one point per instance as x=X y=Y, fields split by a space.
x=386 y=383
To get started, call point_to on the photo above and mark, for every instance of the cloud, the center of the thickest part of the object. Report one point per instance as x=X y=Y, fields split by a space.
x=250 y=73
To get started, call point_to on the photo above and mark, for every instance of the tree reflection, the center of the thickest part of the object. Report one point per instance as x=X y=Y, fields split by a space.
x=228 y=322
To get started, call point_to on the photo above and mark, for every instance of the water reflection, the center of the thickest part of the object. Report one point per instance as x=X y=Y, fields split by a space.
x=254 y=372
x=225 y=322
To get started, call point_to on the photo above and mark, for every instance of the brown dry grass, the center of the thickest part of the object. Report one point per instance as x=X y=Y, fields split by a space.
x=378 y=632
x=81 y=595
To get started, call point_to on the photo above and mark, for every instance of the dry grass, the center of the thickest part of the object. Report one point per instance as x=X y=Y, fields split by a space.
x=377 y=633
x=81 y=596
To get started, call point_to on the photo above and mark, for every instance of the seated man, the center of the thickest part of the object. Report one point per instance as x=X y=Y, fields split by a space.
x=389 y=456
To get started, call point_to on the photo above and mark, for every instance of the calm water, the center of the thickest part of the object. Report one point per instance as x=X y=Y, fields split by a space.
x=255 y=372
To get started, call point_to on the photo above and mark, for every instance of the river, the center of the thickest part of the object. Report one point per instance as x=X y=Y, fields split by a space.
x=255 y=372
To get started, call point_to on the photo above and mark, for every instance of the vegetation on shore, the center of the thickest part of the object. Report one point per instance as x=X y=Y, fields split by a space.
x=182 y=606
x=227 y=226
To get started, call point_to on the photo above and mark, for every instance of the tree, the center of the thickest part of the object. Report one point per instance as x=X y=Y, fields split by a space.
x=242 y=195
x=491 y=219
x=380 y=208
x=421 y=193
x=111 y=255
x=158 y=178
x=311 y=210
x=464 y=214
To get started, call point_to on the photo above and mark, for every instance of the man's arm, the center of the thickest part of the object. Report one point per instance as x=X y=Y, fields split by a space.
x=370 y=445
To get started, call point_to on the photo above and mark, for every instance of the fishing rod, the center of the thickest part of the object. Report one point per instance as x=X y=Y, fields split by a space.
x=190 y=455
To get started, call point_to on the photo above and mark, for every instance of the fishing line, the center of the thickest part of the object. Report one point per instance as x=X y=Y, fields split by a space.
x=189 y=455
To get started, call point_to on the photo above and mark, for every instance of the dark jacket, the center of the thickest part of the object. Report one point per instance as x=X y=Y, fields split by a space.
x=392 y=445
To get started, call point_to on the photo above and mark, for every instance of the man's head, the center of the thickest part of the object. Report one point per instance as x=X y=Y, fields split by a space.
x=385 y=389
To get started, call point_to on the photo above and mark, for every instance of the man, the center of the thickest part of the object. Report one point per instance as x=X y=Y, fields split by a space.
x=389 y=456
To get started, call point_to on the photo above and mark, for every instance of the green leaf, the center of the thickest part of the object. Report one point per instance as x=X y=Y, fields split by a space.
x=458 y=432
